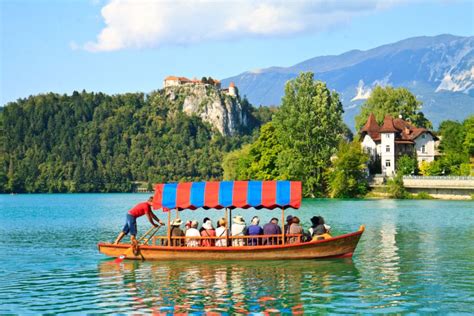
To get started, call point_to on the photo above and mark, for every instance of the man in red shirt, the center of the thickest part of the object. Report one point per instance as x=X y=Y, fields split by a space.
x=138 y=210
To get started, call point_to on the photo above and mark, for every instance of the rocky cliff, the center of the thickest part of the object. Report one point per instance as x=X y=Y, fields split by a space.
x=225 y=113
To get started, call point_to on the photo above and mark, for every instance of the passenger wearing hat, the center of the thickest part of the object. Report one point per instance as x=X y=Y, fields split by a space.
x=238 y=229
x=255 y=230
x=192 y=232
x=221 y=232
x=207 y=231
x=176 y=231
x=271 y=228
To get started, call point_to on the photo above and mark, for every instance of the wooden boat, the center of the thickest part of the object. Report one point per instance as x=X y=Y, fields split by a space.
x=231 y=195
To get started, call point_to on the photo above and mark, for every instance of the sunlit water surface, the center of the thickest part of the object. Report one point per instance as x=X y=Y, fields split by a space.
x=415 y=256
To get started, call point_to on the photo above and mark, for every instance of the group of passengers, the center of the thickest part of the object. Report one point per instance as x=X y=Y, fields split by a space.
x=269 y=234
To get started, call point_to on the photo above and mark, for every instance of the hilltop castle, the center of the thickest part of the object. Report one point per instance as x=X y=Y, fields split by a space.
x=173 y=81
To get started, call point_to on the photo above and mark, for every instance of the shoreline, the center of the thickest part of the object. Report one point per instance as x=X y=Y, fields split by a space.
x=370 y=196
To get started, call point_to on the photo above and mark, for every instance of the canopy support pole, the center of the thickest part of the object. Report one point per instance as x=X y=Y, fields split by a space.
x=227 y=234
x=229 y=226
x=282 y=225
x=169 y=229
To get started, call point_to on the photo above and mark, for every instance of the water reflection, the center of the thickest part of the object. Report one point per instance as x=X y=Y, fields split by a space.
x=226 y=287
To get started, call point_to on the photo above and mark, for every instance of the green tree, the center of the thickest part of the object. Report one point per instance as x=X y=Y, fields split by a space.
x=469 y=138
x=452 y=136
x=407 y=165
x=348 y=175
x=392 y=101
x=264 y=153
x=433 y=168
x=395 y=187
x=236 y=164
x=454 y=149
x=309 y=126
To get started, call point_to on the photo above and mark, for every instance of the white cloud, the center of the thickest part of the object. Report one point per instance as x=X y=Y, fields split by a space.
x=149 y=23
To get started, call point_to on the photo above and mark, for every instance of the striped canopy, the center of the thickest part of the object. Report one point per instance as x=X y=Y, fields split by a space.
x=230 y=194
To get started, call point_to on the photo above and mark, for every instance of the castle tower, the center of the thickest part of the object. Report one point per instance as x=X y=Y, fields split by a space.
x=233 y=90
x=387 y=137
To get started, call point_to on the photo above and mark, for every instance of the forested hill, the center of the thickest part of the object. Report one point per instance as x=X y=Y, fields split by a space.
x=93 y=142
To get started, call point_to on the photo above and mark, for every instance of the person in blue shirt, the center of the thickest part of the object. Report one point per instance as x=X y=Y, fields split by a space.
x=272 y=228
x=254 y=230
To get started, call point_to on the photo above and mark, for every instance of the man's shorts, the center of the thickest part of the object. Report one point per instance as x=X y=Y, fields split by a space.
x=130 y=225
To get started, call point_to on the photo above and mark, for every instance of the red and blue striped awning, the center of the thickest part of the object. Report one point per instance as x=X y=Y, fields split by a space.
x=227 y=194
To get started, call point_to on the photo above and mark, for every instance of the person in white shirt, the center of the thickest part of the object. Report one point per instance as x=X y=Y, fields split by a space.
x=221 y=231
x=238 y=229
x=193 y=232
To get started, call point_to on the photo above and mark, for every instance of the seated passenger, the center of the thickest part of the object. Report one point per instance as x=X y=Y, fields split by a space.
x=271 y=228
x=176 y=231
x=187 y=226
x=319 y=230
x=221 y=231
x=255 y=230
x=192 y=232
x=207 y=231
x=203 y=221
x=238 y=229
x=295 y=228
x=289 y=218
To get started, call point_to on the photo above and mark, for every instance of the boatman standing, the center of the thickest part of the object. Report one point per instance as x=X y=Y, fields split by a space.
x=138 y=210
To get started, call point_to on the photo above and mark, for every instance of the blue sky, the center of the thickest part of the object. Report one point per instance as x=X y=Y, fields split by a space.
x=131 y=45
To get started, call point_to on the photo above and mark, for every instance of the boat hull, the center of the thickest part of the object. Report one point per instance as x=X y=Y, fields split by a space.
x=337 y=247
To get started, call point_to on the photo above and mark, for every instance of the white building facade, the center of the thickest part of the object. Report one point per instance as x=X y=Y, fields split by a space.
x=395 y=138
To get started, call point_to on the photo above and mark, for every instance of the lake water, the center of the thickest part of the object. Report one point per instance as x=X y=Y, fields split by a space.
x=415 y=256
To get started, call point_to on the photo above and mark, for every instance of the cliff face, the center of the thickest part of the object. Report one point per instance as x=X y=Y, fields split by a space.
x=224 y=112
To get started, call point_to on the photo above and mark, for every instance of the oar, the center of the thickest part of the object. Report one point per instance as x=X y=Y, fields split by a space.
x=120 y=258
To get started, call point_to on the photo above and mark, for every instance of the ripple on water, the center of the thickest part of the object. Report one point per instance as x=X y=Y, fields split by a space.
x=415 y=256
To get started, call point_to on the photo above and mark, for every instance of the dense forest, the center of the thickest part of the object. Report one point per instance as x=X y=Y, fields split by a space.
x=93 y=142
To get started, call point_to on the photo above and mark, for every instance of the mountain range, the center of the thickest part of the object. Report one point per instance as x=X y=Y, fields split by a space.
x=439 y=70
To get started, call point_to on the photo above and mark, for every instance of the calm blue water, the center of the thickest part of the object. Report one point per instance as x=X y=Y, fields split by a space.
x=415 y=256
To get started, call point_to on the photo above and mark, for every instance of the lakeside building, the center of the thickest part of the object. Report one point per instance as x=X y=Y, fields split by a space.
x=174 y=81
x=396 y=137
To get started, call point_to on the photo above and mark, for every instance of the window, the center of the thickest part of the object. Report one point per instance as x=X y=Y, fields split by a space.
x=423 y=149
x=423 y=136
x=387 y=163
x=387 y=135
x=387 y=148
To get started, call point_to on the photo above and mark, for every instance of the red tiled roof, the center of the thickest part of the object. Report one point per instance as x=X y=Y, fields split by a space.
x=387 y=126
x=371 y=124
x=174 y=78
x=405 y=132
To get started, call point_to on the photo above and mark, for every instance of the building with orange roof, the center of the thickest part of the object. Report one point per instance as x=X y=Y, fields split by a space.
x=233 y=89
x=395 y=138
x=173 y=81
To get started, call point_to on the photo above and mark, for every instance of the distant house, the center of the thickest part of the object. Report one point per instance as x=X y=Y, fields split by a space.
x=396 y=137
